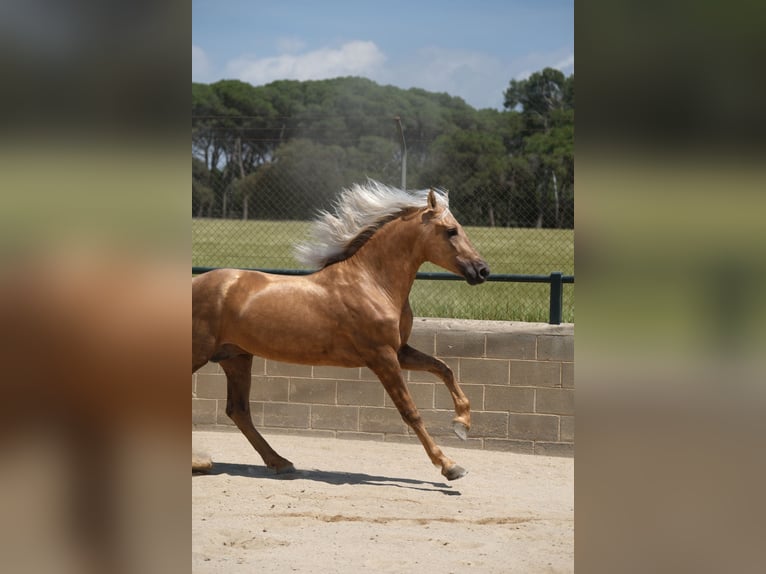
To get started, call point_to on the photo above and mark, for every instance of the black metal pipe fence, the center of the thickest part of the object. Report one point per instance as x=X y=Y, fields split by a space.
x=555 y=279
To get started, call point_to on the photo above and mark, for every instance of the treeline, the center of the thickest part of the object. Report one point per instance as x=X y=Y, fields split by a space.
x=284 y=150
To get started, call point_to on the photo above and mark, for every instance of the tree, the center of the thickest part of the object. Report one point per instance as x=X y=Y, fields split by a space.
x=202 y=193
x=206 y=111
x=471 y=165
x=284 y=149
x=244 y=189
x=303 y=177
x=545 y=106
x=554 y=153
x=540 y=92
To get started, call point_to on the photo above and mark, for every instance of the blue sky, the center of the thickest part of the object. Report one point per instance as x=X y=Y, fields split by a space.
x=467 y=49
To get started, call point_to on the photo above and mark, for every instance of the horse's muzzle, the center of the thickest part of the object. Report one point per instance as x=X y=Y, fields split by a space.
x=476 y=272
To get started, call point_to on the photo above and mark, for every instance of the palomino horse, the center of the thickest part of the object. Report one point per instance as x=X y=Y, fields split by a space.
x=354 y=311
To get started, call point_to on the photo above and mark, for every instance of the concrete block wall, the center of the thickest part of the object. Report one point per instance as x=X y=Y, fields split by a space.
x=519 y=378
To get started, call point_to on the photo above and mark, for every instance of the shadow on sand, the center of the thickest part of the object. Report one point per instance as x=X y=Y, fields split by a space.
x=329 y=477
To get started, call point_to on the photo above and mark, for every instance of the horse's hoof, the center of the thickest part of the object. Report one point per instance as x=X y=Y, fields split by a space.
x=201 y=463
x=284 y=468
x=454 y=472
x=460 y=430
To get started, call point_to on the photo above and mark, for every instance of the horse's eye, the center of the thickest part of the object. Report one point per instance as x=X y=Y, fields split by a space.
x=452 y=231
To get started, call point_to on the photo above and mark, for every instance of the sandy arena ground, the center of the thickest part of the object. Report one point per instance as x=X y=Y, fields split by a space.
x=362 y=506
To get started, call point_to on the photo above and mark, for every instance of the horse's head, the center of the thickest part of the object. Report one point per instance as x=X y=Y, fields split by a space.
x=448 y=246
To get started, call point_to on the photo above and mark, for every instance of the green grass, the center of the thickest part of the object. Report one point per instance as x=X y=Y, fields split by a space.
x=268 y=244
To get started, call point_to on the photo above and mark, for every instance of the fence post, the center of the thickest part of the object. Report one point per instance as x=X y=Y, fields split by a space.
x=398 y=121
x=556 y=298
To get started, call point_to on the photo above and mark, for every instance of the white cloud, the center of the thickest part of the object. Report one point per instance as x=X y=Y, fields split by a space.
x=290 y=45
x=566 y=64
x=476 y=77
x=200 y=64
x=357 y=58
x=479 y=78
x=535 y=62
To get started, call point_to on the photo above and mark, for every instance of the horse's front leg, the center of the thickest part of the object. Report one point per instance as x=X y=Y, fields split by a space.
x=413 y=360
x=386 y=367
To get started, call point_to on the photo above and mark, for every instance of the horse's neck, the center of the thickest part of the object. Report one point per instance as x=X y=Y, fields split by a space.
x=392 y=257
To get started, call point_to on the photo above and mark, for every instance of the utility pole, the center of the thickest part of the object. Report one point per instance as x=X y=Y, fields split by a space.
x=398 y=121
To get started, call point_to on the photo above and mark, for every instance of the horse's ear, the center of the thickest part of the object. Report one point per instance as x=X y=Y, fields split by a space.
x=431 y=198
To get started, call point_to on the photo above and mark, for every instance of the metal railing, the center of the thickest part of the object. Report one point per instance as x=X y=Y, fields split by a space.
x=556 y=280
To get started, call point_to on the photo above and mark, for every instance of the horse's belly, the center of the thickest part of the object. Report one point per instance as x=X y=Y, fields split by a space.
x=294 y=345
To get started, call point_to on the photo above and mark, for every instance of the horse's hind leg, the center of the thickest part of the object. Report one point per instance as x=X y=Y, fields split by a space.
x=237 y=371
x=203 y=346
x=413 y=360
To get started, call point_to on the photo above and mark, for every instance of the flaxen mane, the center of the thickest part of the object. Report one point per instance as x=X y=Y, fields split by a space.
x=358 y=212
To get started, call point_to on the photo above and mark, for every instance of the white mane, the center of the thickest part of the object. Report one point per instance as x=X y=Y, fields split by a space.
x=357 y=209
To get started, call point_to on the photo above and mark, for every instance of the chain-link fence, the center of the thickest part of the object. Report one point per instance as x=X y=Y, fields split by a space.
x=255 y=190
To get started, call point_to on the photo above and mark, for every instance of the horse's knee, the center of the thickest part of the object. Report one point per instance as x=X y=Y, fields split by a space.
x=442 y=370
x=412 y=418
x=231 y=412
x=236 y=411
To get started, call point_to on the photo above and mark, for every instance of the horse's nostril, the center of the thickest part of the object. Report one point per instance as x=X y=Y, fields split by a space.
x=484 y=271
